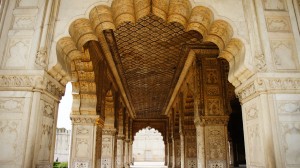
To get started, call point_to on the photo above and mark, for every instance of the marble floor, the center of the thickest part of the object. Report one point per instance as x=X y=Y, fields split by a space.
x=148 y=165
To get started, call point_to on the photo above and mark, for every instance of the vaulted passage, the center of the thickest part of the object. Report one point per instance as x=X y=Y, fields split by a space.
x=174 y=66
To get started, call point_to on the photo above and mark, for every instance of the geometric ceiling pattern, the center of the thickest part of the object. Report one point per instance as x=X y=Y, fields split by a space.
x=149 y=57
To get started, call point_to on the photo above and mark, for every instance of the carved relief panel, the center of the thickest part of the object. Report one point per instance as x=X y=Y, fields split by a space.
x=252 y=133
x=288 y=110
x=82 y=143
x=14 y=120
x=215 y=146
x=212 y=94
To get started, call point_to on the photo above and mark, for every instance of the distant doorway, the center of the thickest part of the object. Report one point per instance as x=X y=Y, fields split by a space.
x=148 y=147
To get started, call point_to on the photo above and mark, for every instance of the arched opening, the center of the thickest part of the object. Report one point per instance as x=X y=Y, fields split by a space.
x=148 y=47
x=148 y=147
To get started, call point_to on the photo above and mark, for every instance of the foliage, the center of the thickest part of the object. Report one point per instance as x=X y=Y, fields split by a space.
x=60 y=164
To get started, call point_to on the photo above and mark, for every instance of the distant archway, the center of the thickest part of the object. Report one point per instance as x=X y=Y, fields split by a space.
x=148 y=146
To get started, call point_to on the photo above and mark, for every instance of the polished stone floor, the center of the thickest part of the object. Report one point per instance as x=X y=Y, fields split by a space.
x=148 y=165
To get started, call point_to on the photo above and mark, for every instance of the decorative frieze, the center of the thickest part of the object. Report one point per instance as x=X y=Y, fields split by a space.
x=263 y=84
x=212 y=120
x=17 y=81
x=84 y=119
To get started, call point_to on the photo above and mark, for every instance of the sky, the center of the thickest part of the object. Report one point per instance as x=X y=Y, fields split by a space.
x=64 y=109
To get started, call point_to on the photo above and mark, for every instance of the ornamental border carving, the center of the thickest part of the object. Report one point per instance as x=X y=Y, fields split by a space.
x=85 y=119
x=267 y=84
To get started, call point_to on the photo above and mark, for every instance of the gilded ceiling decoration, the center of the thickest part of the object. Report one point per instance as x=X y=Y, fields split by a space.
x=151 y=54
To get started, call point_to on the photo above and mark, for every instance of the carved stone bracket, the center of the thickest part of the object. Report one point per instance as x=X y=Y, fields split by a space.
x=85 y=119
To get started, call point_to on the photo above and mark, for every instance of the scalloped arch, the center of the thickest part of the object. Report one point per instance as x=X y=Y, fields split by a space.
x=103 y=17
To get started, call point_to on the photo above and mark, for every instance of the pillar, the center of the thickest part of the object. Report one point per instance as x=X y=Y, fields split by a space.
x=108 y=148
x=166 y=153
x=120 y=151
x=29 y=97
x=270 y=107
x=200 y=145
x=176 y=153
x=83 y=142
x=126 y=155
x=182 y=148
x=130 y=152
x=170 y=153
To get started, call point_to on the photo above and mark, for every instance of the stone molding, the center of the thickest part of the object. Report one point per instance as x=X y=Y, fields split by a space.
x=85 y=119
x=265 y=83
x=33 y=81
x=109 y=131
x=211 y=120
x=121 y=137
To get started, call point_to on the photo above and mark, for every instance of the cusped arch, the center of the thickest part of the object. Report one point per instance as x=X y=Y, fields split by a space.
x=102 y=17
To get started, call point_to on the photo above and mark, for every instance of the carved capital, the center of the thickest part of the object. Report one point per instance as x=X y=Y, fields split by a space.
x=212 y=120
x=121 y=137
x=266 y=83
x=33 y=81
x=85 y=119
x=109 y=132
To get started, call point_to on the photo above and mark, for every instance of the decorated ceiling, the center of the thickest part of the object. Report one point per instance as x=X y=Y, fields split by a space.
x=150 y=56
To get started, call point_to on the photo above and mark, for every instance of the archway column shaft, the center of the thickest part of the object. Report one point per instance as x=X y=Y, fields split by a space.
x=176 y=153
x=270 y=107
x=85 y=134
x=130 y=145
x=212 y=148
x=108 y=148
x=126 y=154
x=28 y=107
x=170 y=153
x=120 y=151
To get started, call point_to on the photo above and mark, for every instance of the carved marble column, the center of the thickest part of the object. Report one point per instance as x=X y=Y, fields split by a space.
x=200 y=144
x=170 y=153
x=130 y=144
x=29 y=97
x=108 y=148
x=28 y=107
x=120 y=151
x=182 y=148
x=126 y=155
x=83 y=143
x=166 y=153
x=271 y=119
x=176 y=153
